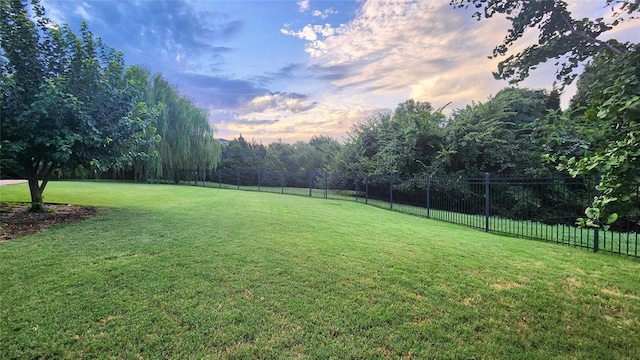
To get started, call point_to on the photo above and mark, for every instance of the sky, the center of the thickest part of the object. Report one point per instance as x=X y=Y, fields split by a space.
x=288 y=70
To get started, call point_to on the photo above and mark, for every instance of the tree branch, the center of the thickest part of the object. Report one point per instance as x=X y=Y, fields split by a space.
x=47 y=175
x=588 y=37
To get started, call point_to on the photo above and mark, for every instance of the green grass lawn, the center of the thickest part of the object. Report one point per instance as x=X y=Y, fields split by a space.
x=188 y=272
x=609 y=241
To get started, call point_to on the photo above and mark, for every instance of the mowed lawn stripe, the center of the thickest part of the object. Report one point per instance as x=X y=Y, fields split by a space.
x=186 y=272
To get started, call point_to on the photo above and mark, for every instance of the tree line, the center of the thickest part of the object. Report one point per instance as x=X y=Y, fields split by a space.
x=518 y=132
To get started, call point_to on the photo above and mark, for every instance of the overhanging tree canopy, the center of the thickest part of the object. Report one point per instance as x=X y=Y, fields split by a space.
x=566 y=40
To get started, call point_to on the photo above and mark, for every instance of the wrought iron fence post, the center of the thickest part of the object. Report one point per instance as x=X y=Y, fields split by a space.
x=487 y=202
x=325 y=184
x=596 y=231
x=310 y=182
x=238 y=179
x=259 y=182
x=391 y=191
x=356 y=181
x=220 y=178
x=428 y=186
x=282 y=183
x=366 y=188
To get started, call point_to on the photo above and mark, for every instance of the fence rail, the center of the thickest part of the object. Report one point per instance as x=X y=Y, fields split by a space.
x=541 y=209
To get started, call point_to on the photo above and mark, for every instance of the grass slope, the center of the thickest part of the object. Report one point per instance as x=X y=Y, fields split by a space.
x=186 y=272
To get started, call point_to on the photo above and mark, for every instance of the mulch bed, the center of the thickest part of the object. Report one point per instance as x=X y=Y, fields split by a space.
x=16 y=221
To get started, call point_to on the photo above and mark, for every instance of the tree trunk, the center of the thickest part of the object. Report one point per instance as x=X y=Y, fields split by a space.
x=37 y=202
x=41 y=170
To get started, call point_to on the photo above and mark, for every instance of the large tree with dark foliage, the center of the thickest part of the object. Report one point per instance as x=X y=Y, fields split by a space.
x=610 y=119
x=67 y=100
x=614 y=98
x=405 y=142
x=503 y=136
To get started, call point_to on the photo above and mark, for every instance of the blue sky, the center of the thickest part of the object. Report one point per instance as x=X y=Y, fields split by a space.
x=288 y=70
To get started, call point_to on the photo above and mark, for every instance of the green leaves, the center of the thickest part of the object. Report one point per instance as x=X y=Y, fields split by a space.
x=65 y=97
x=391 y=143
x=567 y=40
x=616 y=158
x=608 y=92
x=185 y=138
x=503 y=136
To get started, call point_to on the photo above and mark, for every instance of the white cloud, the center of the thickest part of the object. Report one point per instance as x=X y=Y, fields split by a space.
x=324 y=14
x=314 y=34
x=81 y=10
x=262 y=120
x=54 y=13
x=303 y=5
x=278 y=102
x=307 y=33
x=425 y=50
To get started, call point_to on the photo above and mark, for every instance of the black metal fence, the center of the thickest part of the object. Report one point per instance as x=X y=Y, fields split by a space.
x=542 y=209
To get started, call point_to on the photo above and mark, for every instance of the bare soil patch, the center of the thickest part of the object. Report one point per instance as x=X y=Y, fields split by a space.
x=506 y=285
x=16 y=221
x=618 y=293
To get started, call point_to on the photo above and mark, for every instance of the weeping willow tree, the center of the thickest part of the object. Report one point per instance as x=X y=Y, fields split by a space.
x=186 y=137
